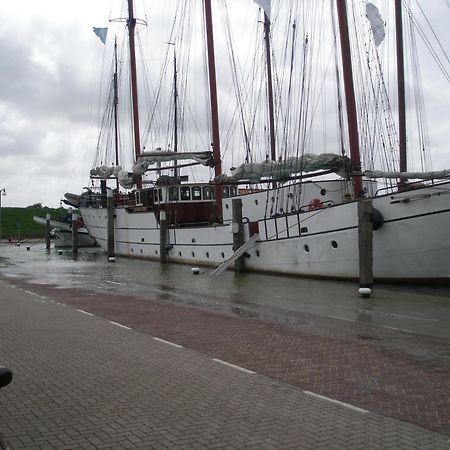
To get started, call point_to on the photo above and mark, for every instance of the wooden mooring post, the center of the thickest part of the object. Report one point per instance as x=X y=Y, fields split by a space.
x=163 y=226
x=110 y=224
x=238 y=233
x=75 y=235
x=365 y=243
x=47 y=232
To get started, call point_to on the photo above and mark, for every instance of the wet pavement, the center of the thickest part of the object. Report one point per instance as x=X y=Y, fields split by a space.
x=81 y=381
x=389 y=355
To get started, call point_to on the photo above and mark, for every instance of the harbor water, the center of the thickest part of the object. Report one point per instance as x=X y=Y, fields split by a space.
x=295 y=301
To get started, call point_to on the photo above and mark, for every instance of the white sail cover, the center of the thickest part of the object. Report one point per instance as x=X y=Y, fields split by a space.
x=284 y=169
x=376 y=23
x=148 y=158
x=439 y=175
x=265 y=5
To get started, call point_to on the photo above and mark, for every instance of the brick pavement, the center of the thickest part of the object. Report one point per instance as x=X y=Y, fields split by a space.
x=82 y=382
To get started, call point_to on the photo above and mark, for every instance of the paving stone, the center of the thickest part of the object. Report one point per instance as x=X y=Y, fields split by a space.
x=82 y=382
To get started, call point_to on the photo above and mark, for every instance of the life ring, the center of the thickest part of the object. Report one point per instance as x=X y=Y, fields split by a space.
x=315 y=203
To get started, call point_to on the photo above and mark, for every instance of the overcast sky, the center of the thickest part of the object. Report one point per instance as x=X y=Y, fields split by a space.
x=48 y=52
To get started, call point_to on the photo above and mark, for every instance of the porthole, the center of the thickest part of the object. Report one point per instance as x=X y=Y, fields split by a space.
x=132 y=250
x=207 y=254
x=306 y=247
x=156 y=252
x=193 y=254
x=141 y=250
x=323 y=191
x=223 y=255
x=257 y=253
x=226 y=206
x=334 y=244
x=256 y=201
x=179 y=254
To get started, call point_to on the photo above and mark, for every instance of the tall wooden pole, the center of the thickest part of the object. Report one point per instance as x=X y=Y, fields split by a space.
x=352 y=118
x=400 y=88
x=116 y=104
x=131 y=31
x=270 y=88
x=214 y=107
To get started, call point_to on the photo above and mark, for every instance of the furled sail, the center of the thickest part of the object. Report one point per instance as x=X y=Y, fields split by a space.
x=148 y=158
x=439 y=175
x=284 y=169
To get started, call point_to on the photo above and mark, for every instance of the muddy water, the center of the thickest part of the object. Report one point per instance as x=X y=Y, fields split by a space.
x=301 y=302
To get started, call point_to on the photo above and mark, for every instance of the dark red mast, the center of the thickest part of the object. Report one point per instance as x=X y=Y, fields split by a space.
x=273 y=154
x=352 y=118
x=214 y=108
x=131 y=31
x=400 y=87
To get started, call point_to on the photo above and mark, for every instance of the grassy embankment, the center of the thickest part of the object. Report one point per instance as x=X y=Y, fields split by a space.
x=18 y=222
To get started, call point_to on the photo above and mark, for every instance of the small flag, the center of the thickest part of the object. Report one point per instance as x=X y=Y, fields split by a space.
x=101 y=33
x=376 y=22
x=265 y=5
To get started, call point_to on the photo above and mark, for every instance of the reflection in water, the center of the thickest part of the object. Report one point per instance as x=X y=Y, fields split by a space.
x=282 y=299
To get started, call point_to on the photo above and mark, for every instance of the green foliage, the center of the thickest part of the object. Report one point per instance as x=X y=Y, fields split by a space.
x=19 y=221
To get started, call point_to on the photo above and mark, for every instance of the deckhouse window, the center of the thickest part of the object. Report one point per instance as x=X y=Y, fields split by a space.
x=185 y=192
x=233 y=191
x=206 y=193
x=173 y=194
x=196 y=193
x=226 y=191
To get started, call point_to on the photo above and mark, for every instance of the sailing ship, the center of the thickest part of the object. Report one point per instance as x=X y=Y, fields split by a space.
x=292 y=223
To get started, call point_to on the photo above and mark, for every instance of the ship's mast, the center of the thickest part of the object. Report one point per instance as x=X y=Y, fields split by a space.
x=352 y=118
x=175 y=112
x=116 y=102
x=269 y=87
x=401 y=88
x=131 y=22
x=214 y=108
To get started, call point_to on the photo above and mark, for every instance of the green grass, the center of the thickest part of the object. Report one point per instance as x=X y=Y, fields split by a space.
x=17 y=222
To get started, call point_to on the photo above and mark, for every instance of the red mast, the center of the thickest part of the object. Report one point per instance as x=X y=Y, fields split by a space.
x=214 y=108
x=137 y=140
x=352 y=118
x=400 y=87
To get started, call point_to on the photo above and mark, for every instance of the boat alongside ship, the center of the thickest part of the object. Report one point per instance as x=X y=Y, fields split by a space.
x=298 y=224
x=62 y=233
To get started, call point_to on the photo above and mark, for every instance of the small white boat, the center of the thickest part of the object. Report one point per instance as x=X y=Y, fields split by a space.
x=62 y=233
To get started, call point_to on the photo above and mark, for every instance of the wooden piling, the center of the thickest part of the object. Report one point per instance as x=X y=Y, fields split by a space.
x=238 y=233
x=110 y=224
x=47 y=232
x=75 y=234
x=163 y=226
x=365 y=240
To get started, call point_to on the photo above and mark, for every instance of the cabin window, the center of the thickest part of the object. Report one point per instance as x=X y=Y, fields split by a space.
x=233 y=191
x=155 y=195
x=226 y=191
x=196 y=193
x=137 y=197
x=160 y=194
x=206 y=193
x=173 y=194
x=185 y=193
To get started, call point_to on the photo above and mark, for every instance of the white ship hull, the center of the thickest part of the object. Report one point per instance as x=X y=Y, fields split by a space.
x=413 y=245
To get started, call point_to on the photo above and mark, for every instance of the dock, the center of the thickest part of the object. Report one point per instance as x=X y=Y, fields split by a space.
x=98 y=371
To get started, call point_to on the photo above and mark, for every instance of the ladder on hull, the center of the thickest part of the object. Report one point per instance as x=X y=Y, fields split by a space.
x=239 y=252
